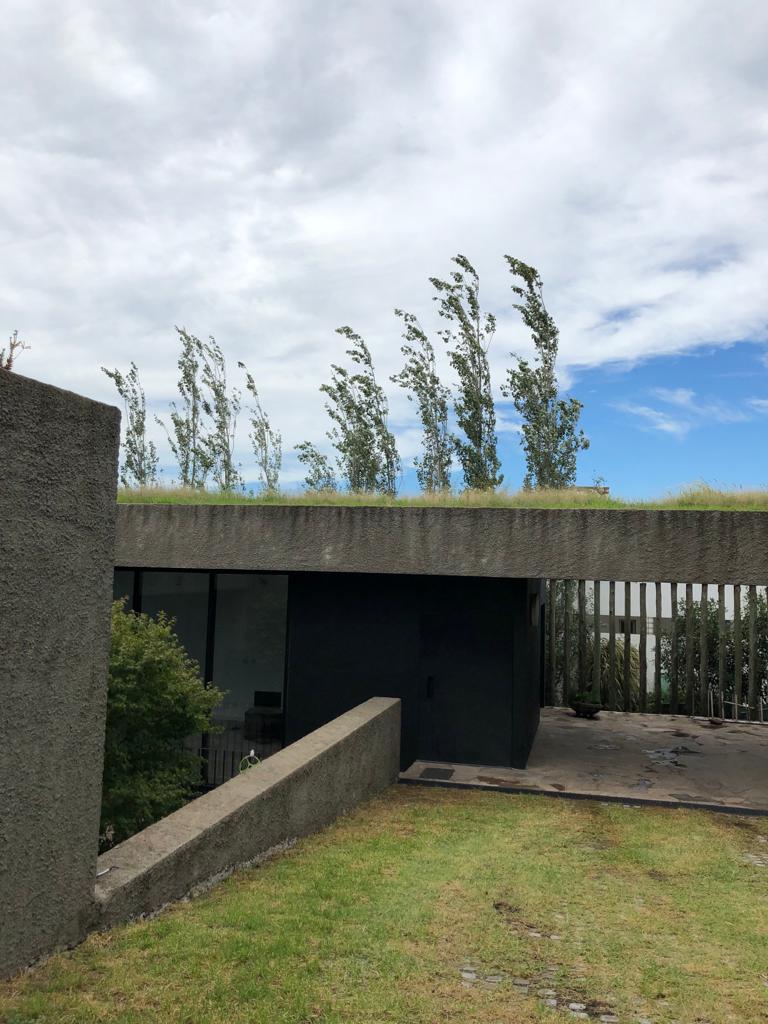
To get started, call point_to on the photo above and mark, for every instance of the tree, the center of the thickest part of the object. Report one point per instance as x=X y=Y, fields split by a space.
x=266 y=442
x=223 y=408
x=420 y=378
x=186 y=436
x=7 y=356
x=139 y=468
x=155 y=700
x=550 y=439
x=367 y=453
x=320 y=475
x=469 y=338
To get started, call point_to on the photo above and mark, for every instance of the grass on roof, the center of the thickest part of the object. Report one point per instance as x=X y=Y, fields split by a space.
x=428 y=905
x=700 y=496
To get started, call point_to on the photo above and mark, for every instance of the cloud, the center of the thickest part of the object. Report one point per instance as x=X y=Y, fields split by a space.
x=691 y=411
x=265 y=172
x=760 y=405
x=701 y=408
x=648 y=418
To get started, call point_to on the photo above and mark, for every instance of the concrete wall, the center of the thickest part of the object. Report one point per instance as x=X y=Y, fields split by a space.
x=58 y=476
x=297 y=791
x=700 y=547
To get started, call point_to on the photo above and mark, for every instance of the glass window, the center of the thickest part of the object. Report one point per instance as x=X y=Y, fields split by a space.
x=122 y=585
x=249 y=655
x=183 y=596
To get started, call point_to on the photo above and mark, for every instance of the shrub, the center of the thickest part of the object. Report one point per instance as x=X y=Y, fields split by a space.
x=156 y=698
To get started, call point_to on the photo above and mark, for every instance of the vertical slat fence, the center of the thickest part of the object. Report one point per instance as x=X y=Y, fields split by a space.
x=582 y=627
x=674 y=696
x=657 y=653
x=612 y=645
x=699 y=647
x=643 y=681
x=597 y=641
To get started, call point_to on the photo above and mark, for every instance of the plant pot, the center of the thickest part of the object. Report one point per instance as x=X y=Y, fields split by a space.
x=585 y=708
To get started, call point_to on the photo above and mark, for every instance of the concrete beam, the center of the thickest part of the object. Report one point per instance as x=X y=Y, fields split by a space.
x=632 y=544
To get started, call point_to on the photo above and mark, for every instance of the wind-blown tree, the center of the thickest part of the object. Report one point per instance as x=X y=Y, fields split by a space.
x=139 y=466
x=223 y=408
x=8 y=356
x=186 y=436
x=468 y=338
x=366 y=450
x=420 y=379
x=320 y=475
x=266 y=442
x=550 y=438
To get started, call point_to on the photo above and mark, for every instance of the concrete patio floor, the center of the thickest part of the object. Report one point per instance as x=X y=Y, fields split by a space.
x=667 y=759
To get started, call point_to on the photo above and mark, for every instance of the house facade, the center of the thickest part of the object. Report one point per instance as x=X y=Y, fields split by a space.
x=296 y=644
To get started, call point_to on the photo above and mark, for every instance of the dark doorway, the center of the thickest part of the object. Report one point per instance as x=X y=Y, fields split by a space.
x=465 y=671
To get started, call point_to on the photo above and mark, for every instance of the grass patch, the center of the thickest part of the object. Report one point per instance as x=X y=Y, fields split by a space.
x=699 y=497
x=642 y=912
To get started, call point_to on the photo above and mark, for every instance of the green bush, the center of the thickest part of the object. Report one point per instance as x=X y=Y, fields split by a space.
x=156 y=698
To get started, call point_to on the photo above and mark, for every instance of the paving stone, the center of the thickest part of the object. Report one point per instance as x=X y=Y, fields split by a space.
x=546 y=992
x=609 y=1018
x=577 y=1006
x=469 y=975
x=551 y=1002
x=494 y=979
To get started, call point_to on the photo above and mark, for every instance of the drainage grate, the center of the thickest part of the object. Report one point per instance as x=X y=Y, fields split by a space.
x=437 y=773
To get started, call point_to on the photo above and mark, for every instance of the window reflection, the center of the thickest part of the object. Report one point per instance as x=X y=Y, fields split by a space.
x=246 y=657
x=249 y=657
x=183 y=596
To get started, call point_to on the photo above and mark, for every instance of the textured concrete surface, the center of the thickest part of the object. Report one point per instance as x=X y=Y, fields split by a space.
x=297 y=791
x=667 y=758
x=700 y=547
x=58 y=478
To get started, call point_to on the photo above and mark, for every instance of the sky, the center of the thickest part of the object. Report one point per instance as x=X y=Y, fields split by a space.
x=268 y=171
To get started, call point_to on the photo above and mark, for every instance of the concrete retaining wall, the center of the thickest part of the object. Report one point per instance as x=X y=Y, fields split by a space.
x=296 y=791
x=700 y=547
x=58 y=478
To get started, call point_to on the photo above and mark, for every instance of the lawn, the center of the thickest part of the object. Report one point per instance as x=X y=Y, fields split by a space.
x=431 y=905
x=701 y=497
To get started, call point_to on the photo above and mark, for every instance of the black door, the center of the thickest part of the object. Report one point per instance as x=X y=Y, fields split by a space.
x=465 y=684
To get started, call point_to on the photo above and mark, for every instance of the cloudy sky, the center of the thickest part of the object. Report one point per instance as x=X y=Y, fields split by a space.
x=266 y=171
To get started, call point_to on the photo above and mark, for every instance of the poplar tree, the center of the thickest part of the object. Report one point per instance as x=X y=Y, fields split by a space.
x=139 y=467
x=367 y=454
x=469 y=337
x=185 y=437
x=266 y=442
x=550 y=438
x=320 y=475
x=222 y=407
x=420 y=379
